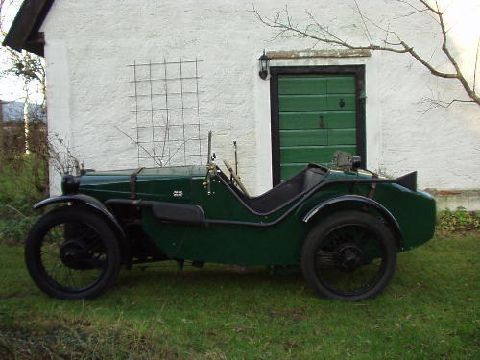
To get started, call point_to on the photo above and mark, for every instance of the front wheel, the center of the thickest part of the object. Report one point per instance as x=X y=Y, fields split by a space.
x=350 y=255
x=72 y=253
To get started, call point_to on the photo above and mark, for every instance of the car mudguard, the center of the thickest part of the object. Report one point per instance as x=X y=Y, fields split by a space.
x=357 y=200
x=97 y=206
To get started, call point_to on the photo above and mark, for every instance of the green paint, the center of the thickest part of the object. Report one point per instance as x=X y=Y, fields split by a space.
x=289 y=170
x=302 y=85
x=312 y=153
x=236 y=244
x=316 y=118
x=342 y=137
x=313 y=120
x=289 y=138
x=340 y=85
x=303 y=137
x=302 y=102
x=341 y=102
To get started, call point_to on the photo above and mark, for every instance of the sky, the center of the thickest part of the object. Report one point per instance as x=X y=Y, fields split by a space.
x=464 y=32
x=11 y=88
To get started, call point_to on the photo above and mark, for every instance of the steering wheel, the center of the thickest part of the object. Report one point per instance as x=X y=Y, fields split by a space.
x=236 y=178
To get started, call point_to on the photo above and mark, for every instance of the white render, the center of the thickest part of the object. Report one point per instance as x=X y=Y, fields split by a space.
x=90 y=43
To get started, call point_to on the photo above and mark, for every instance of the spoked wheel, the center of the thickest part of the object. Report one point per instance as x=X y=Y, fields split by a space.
x=350 y=255
x=71 y=253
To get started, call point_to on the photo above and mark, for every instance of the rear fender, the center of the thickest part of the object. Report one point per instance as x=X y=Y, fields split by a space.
x=98 y=207
x=355 y=202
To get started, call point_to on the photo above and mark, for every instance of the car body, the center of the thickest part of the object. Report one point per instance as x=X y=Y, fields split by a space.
x=198 y=214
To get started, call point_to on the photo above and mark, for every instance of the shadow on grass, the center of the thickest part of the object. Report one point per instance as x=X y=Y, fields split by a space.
x=428 y=311
x=206 y=281
x=211 y=274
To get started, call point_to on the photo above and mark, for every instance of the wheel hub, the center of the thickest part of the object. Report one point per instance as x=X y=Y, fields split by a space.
x=350 y=256
x=74 y=255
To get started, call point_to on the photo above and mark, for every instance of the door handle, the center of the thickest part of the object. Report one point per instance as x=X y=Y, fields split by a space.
x=342 y=103
x=321 y=125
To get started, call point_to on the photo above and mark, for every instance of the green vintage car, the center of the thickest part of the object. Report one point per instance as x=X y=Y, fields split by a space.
x=342 y=227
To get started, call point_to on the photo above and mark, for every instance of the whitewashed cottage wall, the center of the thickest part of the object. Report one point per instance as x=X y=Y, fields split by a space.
x=89 y=44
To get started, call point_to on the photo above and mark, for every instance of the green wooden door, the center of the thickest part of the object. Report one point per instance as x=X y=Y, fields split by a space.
x=316 y=118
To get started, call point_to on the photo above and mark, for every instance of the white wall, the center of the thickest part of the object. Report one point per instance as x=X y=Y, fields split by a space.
x=90 y=43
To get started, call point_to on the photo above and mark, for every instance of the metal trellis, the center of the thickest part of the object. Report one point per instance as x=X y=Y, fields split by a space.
x=166 y=97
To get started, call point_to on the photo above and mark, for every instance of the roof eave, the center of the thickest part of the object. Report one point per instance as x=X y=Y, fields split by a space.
x=24 y=33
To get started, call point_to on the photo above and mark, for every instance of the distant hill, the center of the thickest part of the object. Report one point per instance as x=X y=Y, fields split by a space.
x=12 y=111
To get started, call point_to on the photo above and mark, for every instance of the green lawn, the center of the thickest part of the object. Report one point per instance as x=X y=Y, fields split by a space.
x=431 y=310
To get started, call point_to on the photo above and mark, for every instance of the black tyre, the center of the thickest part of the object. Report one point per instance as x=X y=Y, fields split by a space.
x=350 y=255
x=72 y=253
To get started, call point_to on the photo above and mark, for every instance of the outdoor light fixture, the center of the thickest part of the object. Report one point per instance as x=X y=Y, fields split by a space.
x=264 y=63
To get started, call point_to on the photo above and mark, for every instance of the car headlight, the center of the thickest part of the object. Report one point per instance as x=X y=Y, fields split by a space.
x=70 y=184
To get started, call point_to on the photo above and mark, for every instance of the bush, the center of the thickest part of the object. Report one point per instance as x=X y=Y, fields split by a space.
x=14 y=231
x=16 y=219
x=459 y=220
x=23 y=182
x=23 y=179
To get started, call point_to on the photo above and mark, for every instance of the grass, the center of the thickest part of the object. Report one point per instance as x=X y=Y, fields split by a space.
x=23 y=179
x=23 y=182
x=431 y=310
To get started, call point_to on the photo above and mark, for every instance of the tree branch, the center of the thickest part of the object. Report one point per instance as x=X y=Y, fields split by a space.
x=320 y=33
x=154 y=158
x=475 y=67
x=471 y=93
x=437 y=103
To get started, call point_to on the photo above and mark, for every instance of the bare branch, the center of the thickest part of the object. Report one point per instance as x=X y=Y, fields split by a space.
x=11 y=207
x=320 y=33
x=365 y=26
x=59 y=153
x=154 y=158
x=459 y=74
x=417 y=10
x=475 y=67
x=437 y=103
x=430 y=8
x=178 y=150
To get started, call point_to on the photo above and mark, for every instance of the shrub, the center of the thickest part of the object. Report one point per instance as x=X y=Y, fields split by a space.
x=459 y=220
x=14 y=231
x=23 y=181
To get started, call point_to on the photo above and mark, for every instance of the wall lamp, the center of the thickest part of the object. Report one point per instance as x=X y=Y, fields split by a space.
x=264 y=64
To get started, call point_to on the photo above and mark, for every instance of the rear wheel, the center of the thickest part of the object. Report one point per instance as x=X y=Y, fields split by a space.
x=350 y=255
x=71 y=253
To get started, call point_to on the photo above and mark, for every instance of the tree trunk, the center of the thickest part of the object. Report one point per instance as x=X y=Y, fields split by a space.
x=2 y=145
x=26 y=121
